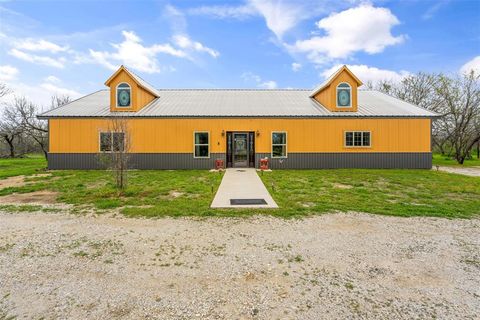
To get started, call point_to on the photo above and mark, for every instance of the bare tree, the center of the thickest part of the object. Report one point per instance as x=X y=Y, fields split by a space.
x=59 y=101
x=460 y=103
x=115 y=143
x=22 y=114
x=9 y=131
x=4 y=90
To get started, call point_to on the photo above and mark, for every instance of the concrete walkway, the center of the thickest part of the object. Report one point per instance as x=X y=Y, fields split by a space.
x=242 y=184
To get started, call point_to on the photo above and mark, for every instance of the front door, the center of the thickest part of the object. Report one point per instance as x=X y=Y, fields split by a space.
x=240 y=149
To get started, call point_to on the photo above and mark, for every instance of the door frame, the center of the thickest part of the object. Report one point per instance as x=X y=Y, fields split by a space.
x=250 y=148
x=235 y=162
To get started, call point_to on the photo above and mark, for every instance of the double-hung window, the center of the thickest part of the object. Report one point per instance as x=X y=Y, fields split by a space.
x=112 y=141
x=279 y=144
x=201 y=141
x=357 y=139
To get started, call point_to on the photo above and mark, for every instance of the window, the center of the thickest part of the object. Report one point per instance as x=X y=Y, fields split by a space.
x=201 y=145
x=123 y=95
x=357 y=139
x=112 y=141
x=344 y=95
x=279 y=144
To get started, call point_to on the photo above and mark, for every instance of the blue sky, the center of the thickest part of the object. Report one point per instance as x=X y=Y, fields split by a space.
x=72 y=47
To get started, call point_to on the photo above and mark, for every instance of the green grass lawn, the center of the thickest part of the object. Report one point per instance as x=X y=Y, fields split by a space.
x=390 y=192
x=22 y=166
x=439 y=160
x=297 y=192
x=149 y=193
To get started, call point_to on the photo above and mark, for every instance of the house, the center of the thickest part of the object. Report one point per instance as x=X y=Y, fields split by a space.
x=335 y=125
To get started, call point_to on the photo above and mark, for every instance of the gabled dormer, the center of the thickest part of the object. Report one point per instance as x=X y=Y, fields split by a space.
x=339 y=91
x=129 y=92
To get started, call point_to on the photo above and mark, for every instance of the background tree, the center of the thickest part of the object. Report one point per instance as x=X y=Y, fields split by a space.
x=8 y=130
x=460 y=102
x=22 y=114
x=455 y=98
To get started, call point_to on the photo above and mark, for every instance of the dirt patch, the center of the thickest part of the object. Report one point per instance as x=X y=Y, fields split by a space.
x=342 y=186
x=20 y=181
x=40 y=175
x=307 y=204
x=175 y=194
x=37 y=197
x=96 y=185
x=12 y=182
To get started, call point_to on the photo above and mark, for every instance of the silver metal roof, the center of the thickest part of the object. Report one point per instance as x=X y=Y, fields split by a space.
x=240 y=103
x=143 y=83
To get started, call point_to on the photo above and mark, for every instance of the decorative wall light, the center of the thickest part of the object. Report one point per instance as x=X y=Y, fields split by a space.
x=223 y=133
x=258 y=133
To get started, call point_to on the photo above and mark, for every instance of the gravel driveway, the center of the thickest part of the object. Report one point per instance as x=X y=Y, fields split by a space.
x=467 y=171
x=322 y=267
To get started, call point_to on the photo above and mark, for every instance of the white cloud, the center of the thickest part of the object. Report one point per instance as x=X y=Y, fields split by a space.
x=369 y=74
x=41 y=93
x=52 y=79
x=184 y=42
x=58 y=62
x=363 y=28
x=268 y=84
x=53 y=89
x=134 y=54
x=431 y=11
x=296 y=66
x=473 y=64
x=38 y=45
x=280 y=16
x=224 y=11
x=259 y=82
x=8 y=73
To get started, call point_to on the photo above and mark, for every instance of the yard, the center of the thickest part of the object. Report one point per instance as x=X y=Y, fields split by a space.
x=190 y=192
x=72 y=247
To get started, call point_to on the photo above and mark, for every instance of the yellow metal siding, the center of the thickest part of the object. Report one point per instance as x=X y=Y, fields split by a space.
x=327 y=97
x=140 y=97
x=304 y=135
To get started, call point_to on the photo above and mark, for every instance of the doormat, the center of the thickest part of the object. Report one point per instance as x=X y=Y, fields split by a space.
x=240 y=202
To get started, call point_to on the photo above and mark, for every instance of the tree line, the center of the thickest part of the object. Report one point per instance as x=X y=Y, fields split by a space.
x=455 y=133
x=20 y=130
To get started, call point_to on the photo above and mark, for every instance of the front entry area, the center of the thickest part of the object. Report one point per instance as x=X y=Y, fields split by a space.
x=240 y=149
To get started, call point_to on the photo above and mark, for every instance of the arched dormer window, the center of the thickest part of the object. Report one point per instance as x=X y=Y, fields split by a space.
x=344 y=95
x=124 y=97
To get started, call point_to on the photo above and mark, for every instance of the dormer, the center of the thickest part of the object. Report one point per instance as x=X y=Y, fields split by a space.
x=129 y=92
x=339 y=92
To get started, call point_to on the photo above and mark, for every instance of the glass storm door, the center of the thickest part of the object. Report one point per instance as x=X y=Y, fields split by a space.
x=240 y=150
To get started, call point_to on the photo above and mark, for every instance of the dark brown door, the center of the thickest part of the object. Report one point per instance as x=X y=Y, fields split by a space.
x=240 y=149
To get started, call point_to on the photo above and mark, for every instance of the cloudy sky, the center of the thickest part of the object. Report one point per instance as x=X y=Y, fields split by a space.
x=72 y=47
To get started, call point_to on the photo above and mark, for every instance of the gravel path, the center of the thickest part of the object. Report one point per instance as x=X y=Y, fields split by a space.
x=323 y=267
x=468 y=171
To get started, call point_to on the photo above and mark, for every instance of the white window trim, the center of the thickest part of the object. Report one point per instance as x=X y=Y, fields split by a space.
x=111 y=139
x=279 y=144
x=201 y=144
x=336 y=95
x=116 y=95
x=353 y=131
